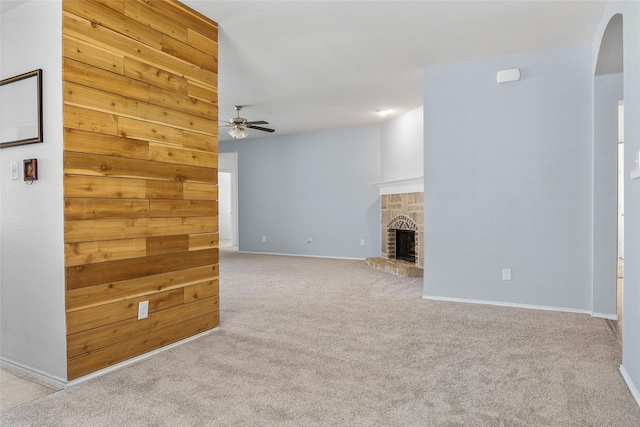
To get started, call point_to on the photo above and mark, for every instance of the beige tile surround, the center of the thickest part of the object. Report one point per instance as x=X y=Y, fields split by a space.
x=411 y=205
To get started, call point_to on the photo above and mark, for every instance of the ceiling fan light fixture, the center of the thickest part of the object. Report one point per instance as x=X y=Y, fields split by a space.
x=238 y=132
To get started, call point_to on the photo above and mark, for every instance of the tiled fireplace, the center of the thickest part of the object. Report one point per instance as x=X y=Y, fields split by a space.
x=402 y=213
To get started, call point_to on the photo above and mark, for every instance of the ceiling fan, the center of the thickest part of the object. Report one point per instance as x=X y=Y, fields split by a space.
x=239 y=125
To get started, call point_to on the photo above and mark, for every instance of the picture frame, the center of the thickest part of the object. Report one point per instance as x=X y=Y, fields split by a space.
x=21 y=106
x=30 y=171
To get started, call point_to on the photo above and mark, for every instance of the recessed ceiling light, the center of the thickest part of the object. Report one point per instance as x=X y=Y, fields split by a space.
x=382 y=112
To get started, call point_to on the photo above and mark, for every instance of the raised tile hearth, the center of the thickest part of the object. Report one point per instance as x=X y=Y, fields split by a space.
x=397 y=267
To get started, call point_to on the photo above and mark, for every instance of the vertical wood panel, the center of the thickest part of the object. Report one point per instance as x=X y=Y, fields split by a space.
x=140 y=185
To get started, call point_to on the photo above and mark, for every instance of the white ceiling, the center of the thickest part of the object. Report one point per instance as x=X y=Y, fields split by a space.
x=311 y=65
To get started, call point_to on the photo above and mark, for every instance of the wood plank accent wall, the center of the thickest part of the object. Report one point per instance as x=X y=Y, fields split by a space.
x=140 y=177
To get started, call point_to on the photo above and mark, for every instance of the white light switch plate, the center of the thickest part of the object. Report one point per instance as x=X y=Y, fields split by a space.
x=143 y=310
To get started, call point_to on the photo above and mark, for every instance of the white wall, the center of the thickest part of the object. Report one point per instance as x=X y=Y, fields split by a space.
x=630 y=11
x=31 y=220
x=507 y=177
x=401 y=146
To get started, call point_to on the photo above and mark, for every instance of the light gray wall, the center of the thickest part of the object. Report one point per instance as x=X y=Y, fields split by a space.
x=607 y=93
x=401 y=146
x=31 y=216
x=316 y=185
x=631 y=330
x=507 y=172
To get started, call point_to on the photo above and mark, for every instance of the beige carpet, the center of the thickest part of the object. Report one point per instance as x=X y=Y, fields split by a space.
x=318 y=342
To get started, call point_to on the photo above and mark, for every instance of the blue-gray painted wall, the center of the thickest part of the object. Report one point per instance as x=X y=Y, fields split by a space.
x=508 y=180
x=608 y=90
x=630 y=11
x=316 y=185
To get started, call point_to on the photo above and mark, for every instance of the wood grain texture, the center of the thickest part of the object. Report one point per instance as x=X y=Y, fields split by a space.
x=75 y=117
x=90 y=32
x=166 y=244
x=201 y=290
x=93 y=274
x=103 y=16
x=155 y=76
x=89 y=54
x=113 y=103
x=184 y=15
x=196 y=191
x=98 y=295
x=202 y=42
x=187 y=53
x=97 y=78
x=198 y=91
x=112 y=188
x=110 y=145
x=183 y=156
x=141 y=12
x=92 y=361
x=109 y=250
x=123 y=228
x=92 y=208
x=140 y=107
x=122 y=167
x=199 y=242
x=182 y=208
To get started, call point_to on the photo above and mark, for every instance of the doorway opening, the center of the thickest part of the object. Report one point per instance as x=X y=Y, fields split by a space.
x=617 y=325
x=224 y=209
x=228 y=200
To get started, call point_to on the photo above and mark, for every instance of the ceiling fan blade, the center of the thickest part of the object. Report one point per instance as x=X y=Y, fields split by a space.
x=260 y=128
x=258 y=122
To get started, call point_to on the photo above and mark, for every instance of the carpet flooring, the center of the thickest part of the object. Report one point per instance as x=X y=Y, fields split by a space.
x=321 y=342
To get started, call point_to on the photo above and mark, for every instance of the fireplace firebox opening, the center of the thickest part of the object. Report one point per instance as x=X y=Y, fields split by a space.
x=406 y=245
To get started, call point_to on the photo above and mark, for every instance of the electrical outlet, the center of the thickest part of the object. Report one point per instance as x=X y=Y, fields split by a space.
x=264 y=238
x=506 y=274
x=361 y=242
x=143 y=310
x=309 y=241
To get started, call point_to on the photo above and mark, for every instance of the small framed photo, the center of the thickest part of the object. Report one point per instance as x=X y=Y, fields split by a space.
x=30 y=169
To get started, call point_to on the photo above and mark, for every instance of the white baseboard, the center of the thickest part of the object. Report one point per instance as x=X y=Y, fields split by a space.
x=605 y=316
x=301 y=255
x=632 y=388
x=38 y=376
x=508 y=304
x=33 y=374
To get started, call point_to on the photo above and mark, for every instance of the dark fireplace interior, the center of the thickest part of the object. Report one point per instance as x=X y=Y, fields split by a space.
x=406 y=245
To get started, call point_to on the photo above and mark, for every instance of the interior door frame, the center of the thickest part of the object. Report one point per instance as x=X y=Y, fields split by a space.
x=228 y=163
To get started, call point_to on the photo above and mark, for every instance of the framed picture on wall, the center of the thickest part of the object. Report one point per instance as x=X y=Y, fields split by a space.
x=21 y=106
x=30 y=171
